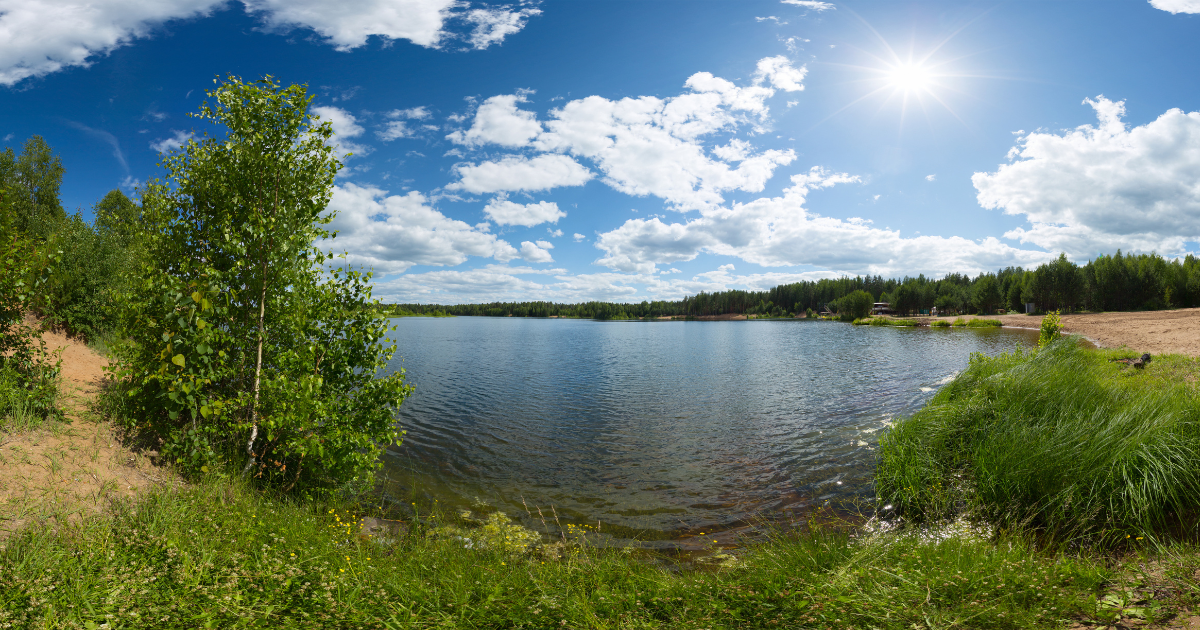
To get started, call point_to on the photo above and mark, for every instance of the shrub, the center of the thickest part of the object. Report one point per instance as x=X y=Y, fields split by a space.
x=1051 y=329
x=243 y=341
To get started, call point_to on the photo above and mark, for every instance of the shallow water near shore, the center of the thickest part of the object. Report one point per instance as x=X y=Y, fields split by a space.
x=657 y=431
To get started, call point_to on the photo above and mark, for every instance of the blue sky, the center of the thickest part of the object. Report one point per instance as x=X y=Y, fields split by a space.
x=621 y=150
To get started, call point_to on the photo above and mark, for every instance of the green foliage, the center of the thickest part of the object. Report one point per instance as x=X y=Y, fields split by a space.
x=216 y=555
x=28 y=379
x=987 y=294
x=1059 y=440
x=856 y=305
x=80 y=296
x=238 y=335
x=32 y=180
x=1051 y=329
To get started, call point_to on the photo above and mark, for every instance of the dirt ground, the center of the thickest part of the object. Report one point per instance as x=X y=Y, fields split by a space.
x=66 y=470
x=1156 y=332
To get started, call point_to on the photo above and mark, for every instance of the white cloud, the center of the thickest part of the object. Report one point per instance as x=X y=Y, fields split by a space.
x=415 y=113
x=505 y=212
x=520 y=173
x=931 y=177
x=538 y=252
x=780 y=73
x=779 y=231
x=394 y=130
x=1177 y=6
x=38 y=37
x=498 y=121
x=345 y=126
x=165 y=145
x=652 y=146
x=502 y=283
x=578 y=237
x=554 y=233
x=1096 y=189
x=492 y=25
x=814 y=5
x=645 y=145
x=394 y=232
x=8 y=137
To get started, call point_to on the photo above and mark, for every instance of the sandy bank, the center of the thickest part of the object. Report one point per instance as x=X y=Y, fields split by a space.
x=1156 y=332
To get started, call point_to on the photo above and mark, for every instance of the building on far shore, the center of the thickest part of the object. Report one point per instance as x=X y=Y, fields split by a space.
x=881 y=308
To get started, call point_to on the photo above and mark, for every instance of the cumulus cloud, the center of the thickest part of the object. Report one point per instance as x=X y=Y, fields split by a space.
x=345 y=126
x=394 y=130
x=498 y=121
x=578 y=237
x=813 y=5
x=1098 y=188
x=537 y=252
x=520 y=173
x=503 y=283
x=647 y=145
x=505 y=212
x=1177 y=6
x=38 y=37
x=394 y=232
x=414 y=113
x=781 y=74
x=931 y=177
x=779 y=231
x=166 y=145
x=492 y=25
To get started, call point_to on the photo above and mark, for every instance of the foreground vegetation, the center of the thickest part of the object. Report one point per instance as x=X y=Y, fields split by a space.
x=217 y=554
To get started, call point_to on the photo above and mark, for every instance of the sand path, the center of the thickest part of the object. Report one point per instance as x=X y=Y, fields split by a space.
x=62 y=471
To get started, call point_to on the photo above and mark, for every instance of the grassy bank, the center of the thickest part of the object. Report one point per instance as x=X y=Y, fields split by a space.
x=219 y=555
x=1063 y=441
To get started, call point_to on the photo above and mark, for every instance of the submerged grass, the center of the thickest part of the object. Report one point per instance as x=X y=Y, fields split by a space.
x=219 y=555
x=886 y=321
x=977 y=323
x=1060 y=440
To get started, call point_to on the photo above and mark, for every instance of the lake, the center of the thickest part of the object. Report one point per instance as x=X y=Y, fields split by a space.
x=659 y=430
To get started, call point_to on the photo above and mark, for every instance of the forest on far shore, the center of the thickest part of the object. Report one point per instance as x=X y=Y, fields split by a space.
x=1118 y=282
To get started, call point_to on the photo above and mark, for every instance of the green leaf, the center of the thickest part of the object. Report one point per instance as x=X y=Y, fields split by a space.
x=177 y=360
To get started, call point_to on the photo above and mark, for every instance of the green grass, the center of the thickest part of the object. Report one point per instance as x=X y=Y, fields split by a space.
x=886 y=321
x=940 y=323
x=219 y=555
x=977 y=323
x=1061 y=441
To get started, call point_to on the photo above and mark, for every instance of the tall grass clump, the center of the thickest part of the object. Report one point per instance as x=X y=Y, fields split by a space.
x=886 y=321
x=1059 y=440
x=977 y=323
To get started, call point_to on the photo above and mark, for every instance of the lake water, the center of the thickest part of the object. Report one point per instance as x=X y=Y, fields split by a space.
x=659 y=430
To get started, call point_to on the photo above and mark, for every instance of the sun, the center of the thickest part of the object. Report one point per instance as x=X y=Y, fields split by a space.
x=909 y=77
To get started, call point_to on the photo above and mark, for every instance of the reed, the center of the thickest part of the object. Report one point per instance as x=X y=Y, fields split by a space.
x=1059 y=440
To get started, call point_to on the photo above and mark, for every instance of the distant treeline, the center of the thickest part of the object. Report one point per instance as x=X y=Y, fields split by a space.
x=1108 y=283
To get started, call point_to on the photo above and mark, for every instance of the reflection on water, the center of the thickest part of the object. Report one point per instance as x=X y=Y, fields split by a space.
x=657 y=429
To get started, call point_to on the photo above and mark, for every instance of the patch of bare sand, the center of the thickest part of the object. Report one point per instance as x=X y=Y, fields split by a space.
x=1156 y=332
x=64 y=471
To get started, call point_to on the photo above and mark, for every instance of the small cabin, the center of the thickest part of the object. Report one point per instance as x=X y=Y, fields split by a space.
x=881 y=308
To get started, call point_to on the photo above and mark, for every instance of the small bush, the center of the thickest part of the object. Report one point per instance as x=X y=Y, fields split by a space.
x=1051 y=329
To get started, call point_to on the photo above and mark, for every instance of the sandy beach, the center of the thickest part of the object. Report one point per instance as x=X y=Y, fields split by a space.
x=1156 y=332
